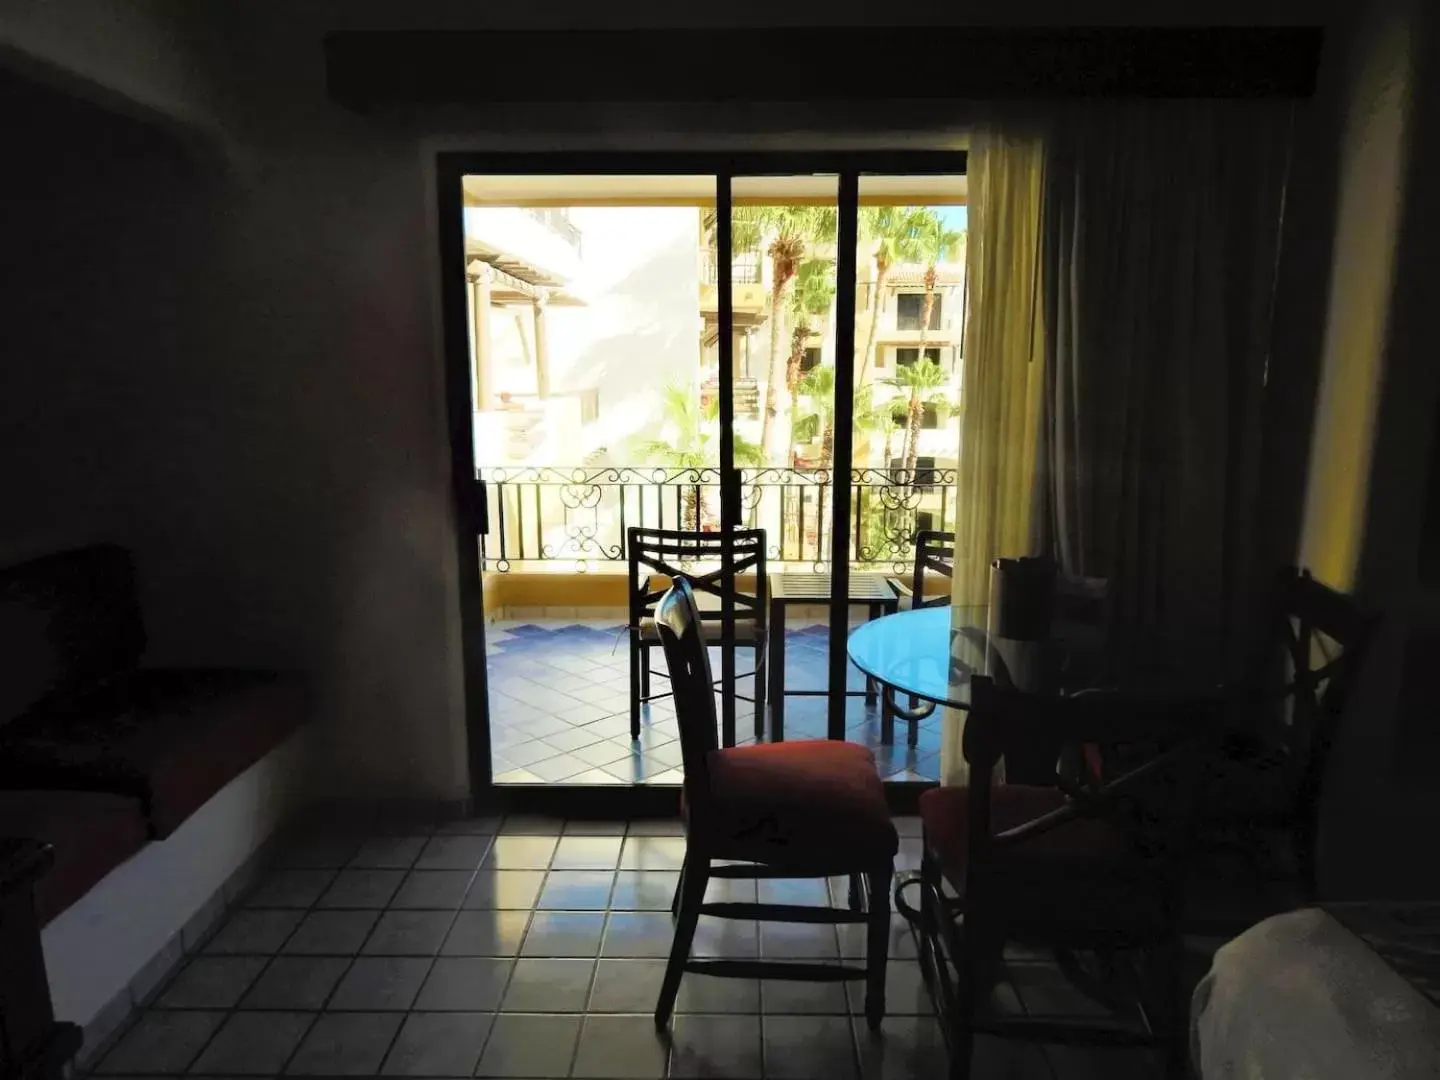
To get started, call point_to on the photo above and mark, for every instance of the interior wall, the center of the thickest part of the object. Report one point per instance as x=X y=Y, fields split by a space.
x=1373 y=142
x=1371 y=448
x=93 y=208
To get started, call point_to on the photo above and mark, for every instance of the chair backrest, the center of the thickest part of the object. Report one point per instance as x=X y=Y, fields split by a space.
x=1166 y=741
x=935 y=553
x=677 y=555
x=688 y=661
x=1305 y=677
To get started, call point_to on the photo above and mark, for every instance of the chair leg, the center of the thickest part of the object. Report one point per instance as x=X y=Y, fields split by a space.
x=761 y=677
x=978 y=963
x=675 y=900
x=645 y=673
x=1168 y=981
x=887 y=718
x=635 y=651
x=914 y=739
x=877 y=946
x=962 y=1049
x=693 y=880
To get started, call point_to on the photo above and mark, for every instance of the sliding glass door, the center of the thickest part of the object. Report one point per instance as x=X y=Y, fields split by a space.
x=705 y=346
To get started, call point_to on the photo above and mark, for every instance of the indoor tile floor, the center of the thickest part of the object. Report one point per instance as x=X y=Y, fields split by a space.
x=533 y=948
x=560 y=708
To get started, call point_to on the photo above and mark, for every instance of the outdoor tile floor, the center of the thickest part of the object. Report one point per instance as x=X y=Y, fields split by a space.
x=560 y=708
x=532 y=948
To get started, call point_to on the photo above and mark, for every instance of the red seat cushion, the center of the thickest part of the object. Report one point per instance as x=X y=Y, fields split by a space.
x=91 y=832
x=1078 y=882
x=945 y=812
x=816 y=803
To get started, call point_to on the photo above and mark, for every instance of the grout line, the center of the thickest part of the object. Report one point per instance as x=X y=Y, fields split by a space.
x=583 y=1013
x=234 y=1009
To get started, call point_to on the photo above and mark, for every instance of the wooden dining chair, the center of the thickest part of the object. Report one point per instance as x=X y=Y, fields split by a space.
x=1284 y=717
x=1073 y=868
x=668 y=554
x=810 y=808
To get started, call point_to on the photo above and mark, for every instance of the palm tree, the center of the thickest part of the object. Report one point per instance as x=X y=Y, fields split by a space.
x=813 y=294
x=895 y=231
x=792 y=230
x=921 y=381
x=933 y=243
x=696 y=428
x=818 y=388
x=883 y=419
x=871 y=420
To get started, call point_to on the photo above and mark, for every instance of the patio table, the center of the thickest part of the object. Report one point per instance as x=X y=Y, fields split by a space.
x=868 y=590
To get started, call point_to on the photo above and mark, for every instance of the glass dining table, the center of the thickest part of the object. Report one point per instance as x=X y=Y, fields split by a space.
x=926 y=658
x=932 y=653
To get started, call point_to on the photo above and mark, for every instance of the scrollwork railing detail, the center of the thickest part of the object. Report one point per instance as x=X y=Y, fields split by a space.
x=543 y=514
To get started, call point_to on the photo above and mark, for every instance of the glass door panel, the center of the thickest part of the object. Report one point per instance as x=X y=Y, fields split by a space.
x=585 y=294
x=783 y=333
x=910 y=311
x=630 y=366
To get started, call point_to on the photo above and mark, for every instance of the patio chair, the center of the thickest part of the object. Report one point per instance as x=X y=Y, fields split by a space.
x=934 y=553
x=671 y=556
x=813 y=808
x=1094 y=868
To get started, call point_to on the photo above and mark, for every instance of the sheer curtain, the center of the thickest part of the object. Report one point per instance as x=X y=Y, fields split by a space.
x=1003 y=376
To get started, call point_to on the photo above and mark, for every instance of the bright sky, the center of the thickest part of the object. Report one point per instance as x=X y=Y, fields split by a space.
x=954 y=217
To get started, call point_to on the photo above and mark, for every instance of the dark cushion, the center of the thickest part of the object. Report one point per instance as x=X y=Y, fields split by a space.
x=171 y=738
x=1257 y=789
x=68 y=621
x=807 y=803
x=91 y=832
x=1079 y=882
x=945 y=813
x=29 y=666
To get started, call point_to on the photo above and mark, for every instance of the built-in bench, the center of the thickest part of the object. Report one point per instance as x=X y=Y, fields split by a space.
x=115 y=764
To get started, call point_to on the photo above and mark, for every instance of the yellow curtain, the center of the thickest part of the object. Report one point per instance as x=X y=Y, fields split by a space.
x=1003 y=375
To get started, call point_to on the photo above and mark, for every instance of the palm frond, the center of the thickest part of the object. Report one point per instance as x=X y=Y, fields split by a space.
x=807 y=427
x=819 y=382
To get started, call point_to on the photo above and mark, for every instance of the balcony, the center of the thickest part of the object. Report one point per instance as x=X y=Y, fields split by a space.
x=744 y=270
x=557 y=220
x=747 y=396
x=555 y=567
x=574 y=518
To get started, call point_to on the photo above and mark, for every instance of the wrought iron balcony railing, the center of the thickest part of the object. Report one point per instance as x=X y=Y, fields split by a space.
x=552 y=516
x=744 y=270
x=557 y=220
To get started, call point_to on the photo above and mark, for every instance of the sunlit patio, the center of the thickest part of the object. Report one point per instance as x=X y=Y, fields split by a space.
x=559 y=707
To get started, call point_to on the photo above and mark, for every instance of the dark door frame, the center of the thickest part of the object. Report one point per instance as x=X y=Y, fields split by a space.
x=470 y=511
